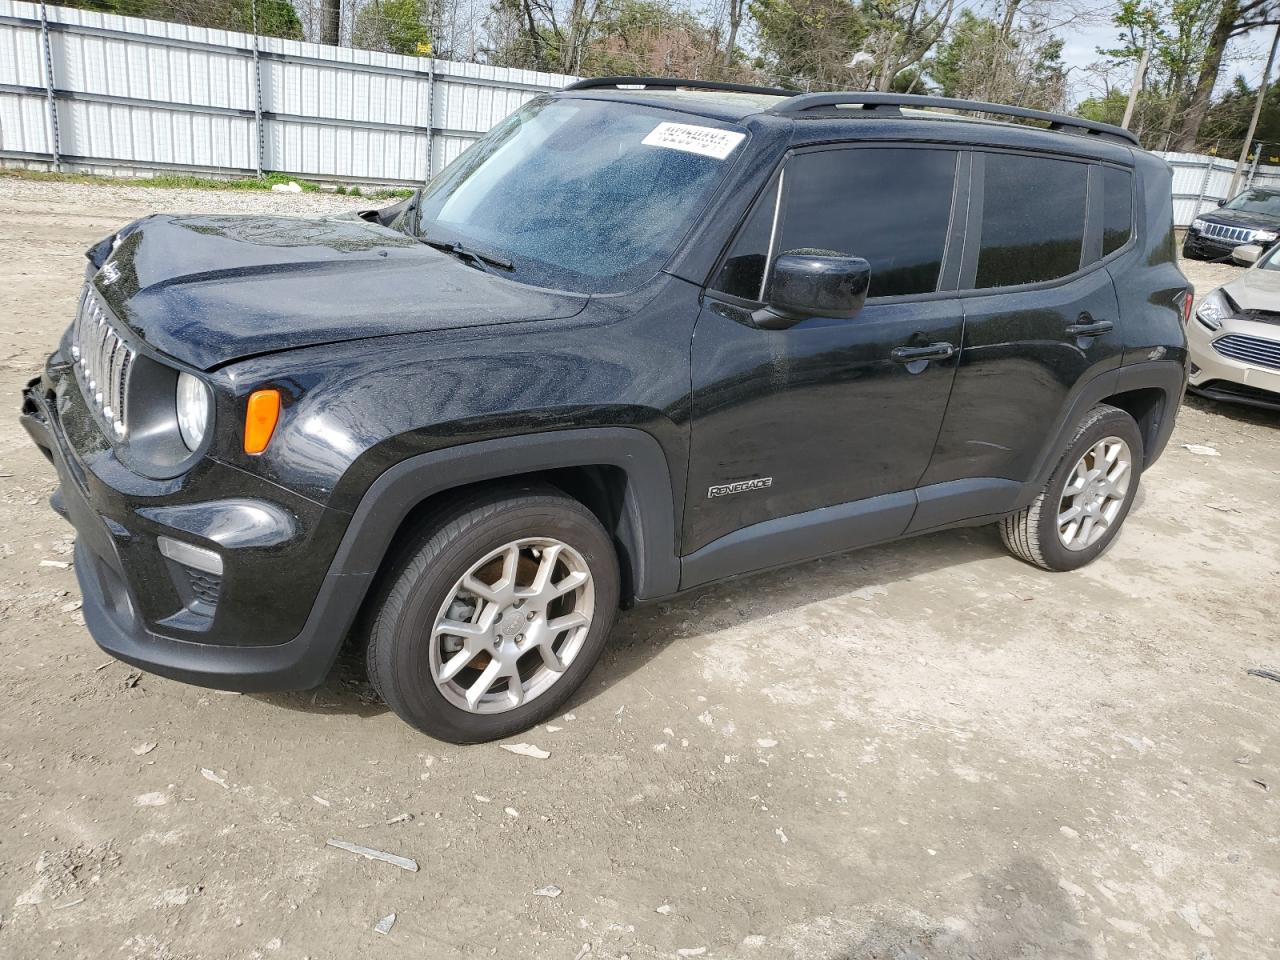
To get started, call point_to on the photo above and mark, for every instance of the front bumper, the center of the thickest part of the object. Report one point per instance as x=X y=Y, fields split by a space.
x=1225 y=378
x=257 y=627
x=1211 y=248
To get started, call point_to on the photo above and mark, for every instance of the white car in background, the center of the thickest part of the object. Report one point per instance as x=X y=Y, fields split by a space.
x=1234 y=337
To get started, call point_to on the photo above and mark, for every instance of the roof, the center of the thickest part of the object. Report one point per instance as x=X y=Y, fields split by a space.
x=730 y=101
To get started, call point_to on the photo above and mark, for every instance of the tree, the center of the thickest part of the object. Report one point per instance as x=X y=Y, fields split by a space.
x=393 y=26
x=1176 y=36
x=655 y=37
x=1228 y=118
x=903 y=33
x=1108 y=108
x=1235 y=18
x=1001 y=62
x=276 y=18
x=552 y=35
x=806 y=42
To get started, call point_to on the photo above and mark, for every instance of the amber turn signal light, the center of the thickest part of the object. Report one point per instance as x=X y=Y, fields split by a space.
x=260 y=419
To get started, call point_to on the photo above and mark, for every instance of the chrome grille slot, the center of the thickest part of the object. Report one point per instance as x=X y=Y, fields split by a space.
x=1222 y=232
x=103 y=363
x=1256 y=350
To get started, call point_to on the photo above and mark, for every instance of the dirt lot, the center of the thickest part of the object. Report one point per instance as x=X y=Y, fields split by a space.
x=922 y=750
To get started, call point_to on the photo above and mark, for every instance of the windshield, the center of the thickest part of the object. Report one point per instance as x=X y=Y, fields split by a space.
x=1271 y=259
x=1266 y=202
x=582 y=195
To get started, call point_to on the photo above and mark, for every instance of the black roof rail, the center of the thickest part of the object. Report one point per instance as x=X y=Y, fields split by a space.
x=674 y=83
x=888 y=103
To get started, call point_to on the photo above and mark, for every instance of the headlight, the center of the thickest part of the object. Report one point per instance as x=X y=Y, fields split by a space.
x=195 y=410
x=1265 y=236
x=1213 y=310
x=1197 y=225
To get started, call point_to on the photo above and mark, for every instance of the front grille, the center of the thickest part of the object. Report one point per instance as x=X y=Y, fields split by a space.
x=1221 y=231
x=1256 y=350
x=103 y=362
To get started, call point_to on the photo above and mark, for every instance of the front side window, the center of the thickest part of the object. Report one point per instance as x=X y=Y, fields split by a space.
x=1033 y=211
x=890 y=206
x=743 y=272
x=582 y=195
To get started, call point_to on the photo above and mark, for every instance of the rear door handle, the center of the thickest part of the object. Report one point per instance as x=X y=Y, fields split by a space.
x=1090 y=328
x=933 y=351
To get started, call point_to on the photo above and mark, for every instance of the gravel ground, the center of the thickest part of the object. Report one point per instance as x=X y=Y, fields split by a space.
x=922 y=750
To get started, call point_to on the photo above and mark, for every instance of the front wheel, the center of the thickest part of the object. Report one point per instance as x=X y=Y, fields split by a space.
x=1080 y=511
x=497 y=615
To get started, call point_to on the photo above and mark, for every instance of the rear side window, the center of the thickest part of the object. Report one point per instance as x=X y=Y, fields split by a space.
x=890 y=206
x=1033 y=211
x=1117 y=215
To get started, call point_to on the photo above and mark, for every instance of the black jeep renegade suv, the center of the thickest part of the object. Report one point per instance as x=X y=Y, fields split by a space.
x=639 y=338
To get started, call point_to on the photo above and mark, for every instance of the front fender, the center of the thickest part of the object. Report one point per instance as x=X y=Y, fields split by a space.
x=647 y=528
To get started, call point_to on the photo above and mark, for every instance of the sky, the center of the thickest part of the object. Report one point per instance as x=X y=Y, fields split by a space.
x=1246 y=56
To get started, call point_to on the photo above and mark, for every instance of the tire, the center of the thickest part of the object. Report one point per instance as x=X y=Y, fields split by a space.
x=1032 y=534
x=407 y=657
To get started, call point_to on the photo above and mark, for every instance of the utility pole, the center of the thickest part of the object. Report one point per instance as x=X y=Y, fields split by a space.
x=1139 y=77
x=1253 y=122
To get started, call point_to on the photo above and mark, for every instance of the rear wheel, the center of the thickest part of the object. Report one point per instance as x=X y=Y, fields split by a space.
x=496 y=616
x=1080 y=511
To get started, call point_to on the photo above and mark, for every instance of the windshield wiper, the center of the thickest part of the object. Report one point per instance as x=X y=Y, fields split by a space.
x=470 y=254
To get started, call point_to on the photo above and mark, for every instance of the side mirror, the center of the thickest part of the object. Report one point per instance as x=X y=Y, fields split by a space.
x=1246 y=253
x=814 y=285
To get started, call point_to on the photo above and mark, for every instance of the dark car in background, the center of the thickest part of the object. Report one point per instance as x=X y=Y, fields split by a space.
x=1250 y=217
x=636 y=340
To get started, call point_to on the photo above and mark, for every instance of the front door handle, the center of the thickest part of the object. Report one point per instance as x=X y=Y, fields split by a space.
x=932 y=351
x=1088 y=327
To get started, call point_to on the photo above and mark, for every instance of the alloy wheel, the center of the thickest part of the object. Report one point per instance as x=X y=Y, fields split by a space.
x=1095 y=493
x=512 y=625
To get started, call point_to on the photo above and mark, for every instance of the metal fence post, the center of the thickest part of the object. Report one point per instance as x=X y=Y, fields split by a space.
x=1204 y=185
x=55 y=146
x=431 y=115
x=257 y=90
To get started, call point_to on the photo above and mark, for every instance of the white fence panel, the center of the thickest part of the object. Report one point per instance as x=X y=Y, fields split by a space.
x=1202 y=182
x=135 y=94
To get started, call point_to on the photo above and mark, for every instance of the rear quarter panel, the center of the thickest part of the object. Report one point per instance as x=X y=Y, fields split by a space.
x=1149 y=283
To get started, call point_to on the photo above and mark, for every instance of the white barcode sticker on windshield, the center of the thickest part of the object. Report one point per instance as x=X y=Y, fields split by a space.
x=706 y=141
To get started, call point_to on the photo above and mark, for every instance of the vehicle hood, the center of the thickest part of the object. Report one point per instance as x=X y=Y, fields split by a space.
x=1239 y=218
x=207 y=290
x=1257 y=292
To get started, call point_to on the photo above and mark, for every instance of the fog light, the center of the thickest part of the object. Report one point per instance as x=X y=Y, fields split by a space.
x=191 y=555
